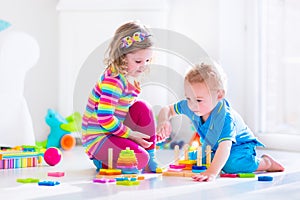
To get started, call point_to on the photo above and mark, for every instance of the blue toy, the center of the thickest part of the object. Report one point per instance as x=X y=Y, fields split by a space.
x=4 y=25
x=48 y=183
x=265 y=178
x=60 y=129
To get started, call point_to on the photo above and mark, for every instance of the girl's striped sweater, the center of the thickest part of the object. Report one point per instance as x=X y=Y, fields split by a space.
x=106 y=110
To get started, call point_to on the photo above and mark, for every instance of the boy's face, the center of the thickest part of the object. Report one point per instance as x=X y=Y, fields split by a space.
x=200 y=99
x=137 y=61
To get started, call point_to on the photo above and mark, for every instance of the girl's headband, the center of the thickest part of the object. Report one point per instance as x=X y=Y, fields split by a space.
x=127 y=41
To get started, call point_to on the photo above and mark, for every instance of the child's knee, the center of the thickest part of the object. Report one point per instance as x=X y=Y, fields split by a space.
x=142 y=106
x=142 y=159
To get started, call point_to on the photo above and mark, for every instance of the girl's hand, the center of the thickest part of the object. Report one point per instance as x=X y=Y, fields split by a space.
x=204 y=176
x=163 y=130
x=139 y=138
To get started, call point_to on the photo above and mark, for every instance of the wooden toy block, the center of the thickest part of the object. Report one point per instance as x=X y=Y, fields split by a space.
x=186 y=151
x=56 y=174
x=110 y=171
x=48 y=183
x=172 y=173
x=159 y=170
x=265 y=178
x=229 y=175
x=182 y=166
x=127 y=162
x=198 y=169
x=104 y=180
x=27 y=180
x=191 y=167
x=10 y=159
x=188 y=163
x=208 y=155
x=110 y=158
x=183 y=173
x=199 y=156
x=128 y=183
x=139 y=177
x=246 y=175
x=176 y=154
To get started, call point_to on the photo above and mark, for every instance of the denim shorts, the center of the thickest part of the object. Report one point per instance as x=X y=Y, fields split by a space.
x=242 y=159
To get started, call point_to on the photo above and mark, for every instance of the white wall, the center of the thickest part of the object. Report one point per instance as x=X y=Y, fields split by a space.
x=218 y=27
x=198 y=20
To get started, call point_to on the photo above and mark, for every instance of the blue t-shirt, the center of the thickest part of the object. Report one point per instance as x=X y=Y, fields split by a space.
x=224 y=123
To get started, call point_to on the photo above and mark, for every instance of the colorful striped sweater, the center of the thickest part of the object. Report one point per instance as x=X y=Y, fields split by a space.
x=106 y=110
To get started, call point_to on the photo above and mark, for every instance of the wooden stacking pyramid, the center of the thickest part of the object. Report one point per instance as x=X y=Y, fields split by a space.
x=127 y=162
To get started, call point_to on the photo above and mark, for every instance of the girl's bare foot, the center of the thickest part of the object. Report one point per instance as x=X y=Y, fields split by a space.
x=275 y=166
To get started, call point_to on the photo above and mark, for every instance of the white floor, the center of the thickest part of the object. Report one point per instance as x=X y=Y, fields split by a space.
x=79 y=173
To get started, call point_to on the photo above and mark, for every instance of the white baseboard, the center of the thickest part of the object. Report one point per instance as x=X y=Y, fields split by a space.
x=287 y=142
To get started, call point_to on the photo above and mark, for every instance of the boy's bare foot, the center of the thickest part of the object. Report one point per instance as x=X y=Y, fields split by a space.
x=275 y=166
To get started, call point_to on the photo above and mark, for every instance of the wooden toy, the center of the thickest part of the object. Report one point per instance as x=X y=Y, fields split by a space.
x=110 y=170
x=265 y=178
x=28 y=180
x=199 y=156
x=127 y=181
x=104 y=180
x=48 y=183
x=127 y=162
x=176 y=153
x=246 y=175
x=10 y=159
x=239 y=175
x=56 y=174
x=187 y=167
x=208 y=155
x=229 y=175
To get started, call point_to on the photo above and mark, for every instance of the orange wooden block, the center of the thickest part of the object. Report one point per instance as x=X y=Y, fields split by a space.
x=184 y=173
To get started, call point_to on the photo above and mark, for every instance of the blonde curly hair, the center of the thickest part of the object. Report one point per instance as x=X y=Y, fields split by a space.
x=212 y=74
x=115 y=58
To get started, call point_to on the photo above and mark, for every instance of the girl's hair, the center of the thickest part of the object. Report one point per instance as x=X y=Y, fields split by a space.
x=212 y=74
x=116 y=52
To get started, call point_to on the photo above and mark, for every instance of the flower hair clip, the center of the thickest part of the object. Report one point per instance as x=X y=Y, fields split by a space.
x=136 y=37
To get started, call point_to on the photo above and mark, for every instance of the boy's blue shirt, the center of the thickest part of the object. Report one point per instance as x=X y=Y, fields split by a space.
x=224 y=123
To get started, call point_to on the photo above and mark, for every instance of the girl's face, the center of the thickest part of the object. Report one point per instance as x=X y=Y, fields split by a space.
x=137 y=61
x=200 y=99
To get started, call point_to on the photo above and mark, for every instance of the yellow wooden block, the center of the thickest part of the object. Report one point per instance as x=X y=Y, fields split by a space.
x=159 y=170
x=128 y=183
x=187 y=162
x=110 y=171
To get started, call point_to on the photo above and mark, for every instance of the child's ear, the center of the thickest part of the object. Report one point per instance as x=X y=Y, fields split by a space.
x=221 y=94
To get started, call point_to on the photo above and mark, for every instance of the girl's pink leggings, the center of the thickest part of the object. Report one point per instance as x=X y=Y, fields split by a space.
x=139 y=118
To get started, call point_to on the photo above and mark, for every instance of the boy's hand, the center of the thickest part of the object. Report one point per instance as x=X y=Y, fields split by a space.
x=163 y=130
x=204 y=176
x=139 y=138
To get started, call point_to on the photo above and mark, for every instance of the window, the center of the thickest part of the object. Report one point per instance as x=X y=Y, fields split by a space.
x=280 y=67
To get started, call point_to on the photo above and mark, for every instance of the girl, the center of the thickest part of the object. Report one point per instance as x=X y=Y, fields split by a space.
x=113 y=117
